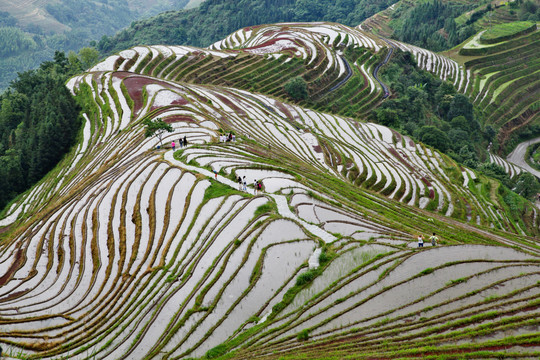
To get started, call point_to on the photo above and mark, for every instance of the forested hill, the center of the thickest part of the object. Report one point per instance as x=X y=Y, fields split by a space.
x=39 y=122
x=215 y=19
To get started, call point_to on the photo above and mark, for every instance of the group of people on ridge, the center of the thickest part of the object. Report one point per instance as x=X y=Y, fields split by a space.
x=227 y=137
x=242 y=184
x=181 y=142
x=433 y=238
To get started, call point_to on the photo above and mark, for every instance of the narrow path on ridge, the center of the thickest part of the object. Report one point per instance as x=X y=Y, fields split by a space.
x=517 y=157
x=281 y=201
x=384 y=62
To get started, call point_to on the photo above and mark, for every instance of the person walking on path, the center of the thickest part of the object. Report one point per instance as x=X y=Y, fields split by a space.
x=172 y=145
x=245 y=183
x=185 y=140
x=434 y=240
x=215 y=174
x=180 y=142
x=239 y=183
x=255 y=187
x=420 y=241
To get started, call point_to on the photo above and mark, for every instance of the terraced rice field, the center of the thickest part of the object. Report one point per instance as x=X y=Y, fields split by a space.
x=128 y=251
x=503 y=79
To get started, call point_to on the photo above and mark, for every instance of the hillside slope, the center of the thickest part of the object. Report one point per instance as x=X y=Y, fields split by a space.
x=32 y=30
x=502 y=78
x=129 y=251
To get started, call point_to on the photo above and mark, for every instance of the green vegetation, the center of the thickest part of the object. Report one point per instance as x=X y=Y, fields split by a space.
x=296 y=88
x=217 y=189
x=156 y=128
x=215 y=19
x=504 y=85
x=442 y=24
x=216 y=352
x=39 y=122
x=431 y=111
x=421 y=25
x=7 y=20
x=186 y=271
x=13 y=41
x=303 y=335
x=507 y=31
x=264 y=209
x=533 y=156
x=426 y=271
x=306 y=277
x=456 y=281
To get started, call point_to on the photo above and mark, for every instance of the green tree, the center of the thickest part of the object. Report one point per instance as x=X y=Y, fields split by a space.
x=496 y=171
x=461 y=106
x=435 y=137
x=296 y=88
x=88 y=56
x=387 y=117
x=156 y=128
x=527 y=185
x=39 y=122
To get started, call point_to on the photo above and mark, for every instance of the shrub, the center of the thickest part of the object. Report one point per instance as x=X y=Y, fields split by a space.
x=303 y=335
x=305 y=278
x=296 y=88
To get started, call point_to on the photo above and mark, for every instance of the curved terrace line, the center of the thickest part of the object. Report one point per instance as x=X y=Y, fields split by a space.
x=281 y=201
x=517 y=157
x=384 y=62
x=347 y=77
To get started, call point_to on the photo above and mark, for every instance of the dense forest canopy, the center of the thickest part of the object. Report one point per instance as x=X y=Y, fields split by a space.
x=39 y=122
x=215 y=19
x=422 y=24
x=6 y=19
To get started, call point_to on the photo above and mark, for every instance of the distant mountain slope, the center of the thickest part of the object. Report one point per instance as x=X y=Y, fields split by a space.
x=215 y=19
x=32 y=14
x=35 y=29
x=193 y=3
x=47 y=14
x=128 y=250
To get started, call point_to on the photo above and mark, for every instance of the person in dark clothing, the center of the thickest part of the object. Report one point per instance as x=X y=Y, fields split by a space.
x=185 y=141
